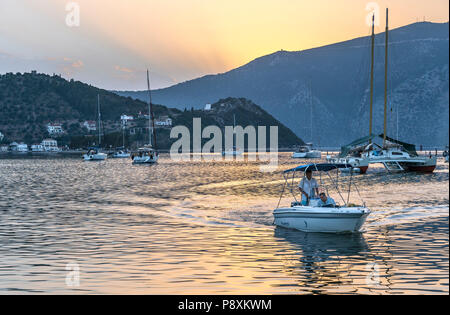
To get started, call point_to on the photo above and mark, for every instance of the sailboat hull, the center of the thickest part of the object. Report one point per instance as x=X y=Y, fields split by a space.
x=145 y=160
x=425 y=167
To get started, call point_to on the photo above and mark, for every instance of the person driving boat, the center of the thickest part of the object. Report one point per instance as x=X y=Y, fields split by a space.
x=308 y=187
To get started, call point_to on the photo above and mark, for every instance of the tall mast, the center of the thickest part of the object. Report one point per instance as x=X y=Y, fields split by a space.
x=123 y=135
x=385 y=76
x=311 y=116
x=99 y=121
x=151 y=119
x=371 y=76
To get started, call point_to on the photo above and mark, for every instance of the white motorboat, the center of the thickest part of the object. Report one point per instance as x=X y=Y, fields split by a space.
x=306 y=152
x=315 y=218
x=145 y=155
x=94 y=155
x=121 y=154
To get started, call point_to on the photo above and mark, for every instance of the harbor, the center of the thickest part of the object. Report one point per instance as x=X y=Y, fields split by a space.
x=176 y=235
x=224 y=156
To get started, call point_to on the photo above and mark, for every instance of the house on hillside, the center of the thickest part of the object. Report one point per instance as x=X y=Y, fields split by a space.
x=90 y=125
x=163 y=121
x=125 y=119
x=54 y=129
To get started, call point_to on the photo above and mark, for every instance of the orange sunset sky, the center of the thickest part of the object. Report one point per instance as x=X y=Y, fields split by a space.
x=116 y=40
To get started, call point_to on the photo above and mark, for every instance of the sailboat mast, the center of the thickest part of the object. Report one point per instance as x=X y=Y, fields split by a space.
x=311 y=116
x=99 y=121
x=385 y=76
x=371 y=76
x=151 y=119
x=123 y=136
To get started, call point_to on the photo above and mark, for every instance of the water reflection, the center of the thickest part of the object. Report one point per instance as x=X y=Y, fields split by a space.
x=206 y=227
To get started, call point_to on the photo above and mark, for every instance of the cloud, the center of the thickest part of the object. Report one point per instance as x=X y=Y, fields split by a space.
x=77 y=64
x=123 y=69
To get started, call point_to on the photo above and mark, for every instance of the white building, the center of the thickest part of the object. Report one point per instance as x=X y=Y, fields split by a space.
x=4 y=148
x=13 y=146
x=90 y=125
x=50 y=145
x=207 y=107
x=1 y=136
x=37 y=148
x=125 y=119
x=22 y=147
x=54 y=129
x=163 y=121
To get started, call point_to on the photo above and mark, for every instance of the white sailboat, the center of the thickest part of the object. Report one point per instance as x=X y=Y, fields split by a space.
x=122 y=153
x=307 y=151
x=233 y=151
x=394 y=154
x=148 y=154
x=94 y=153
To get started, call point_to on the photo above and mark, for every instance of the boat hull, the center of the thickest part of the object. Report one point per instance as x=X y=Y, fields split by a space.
x=359 y=165
x=95 y=157
x=122 y=156
x=322 y=220
x=421 y=168
x=307 y=155
x=299 y=155
x=145 y=160
x=232 y=153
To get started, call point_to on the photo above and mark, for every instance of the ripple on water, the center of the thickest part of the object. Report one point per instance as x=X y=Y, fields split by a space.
x=206 y=227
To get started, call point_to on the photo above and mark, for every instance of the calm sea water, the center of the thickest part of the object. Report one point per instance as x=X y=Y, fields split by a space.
x=206 y=228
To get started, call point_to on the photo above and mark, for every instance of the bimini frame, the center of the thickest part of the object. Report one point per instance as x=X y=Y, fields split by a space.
x=320 y=168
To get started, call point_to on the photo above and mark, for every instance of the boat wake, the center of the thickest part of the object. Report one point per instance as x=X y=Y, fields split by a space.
x=398 y=216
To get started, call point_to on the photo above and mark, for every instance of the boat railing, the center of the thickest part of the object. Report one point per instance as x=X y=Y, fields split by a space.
x=289 y=184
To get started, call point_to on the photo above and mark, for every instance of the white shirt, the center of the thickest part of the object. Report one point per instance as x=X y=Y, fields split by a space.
x=308 y=186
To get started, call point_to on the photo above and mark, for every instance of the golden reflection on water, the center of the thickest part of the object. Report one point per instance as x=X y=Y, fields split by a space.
x=206 y=228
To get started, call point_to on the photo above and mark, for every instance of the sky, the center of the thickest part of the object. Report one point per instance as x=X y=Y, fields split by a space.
x=111 y=43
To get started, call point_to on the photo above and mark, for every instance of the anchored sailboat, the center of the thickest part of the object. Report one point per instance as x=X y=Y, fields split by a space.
x=307 y=151
x=395 y=155
x=148 y=154
x=94 y=153
x=122 y=152
x=233 y=151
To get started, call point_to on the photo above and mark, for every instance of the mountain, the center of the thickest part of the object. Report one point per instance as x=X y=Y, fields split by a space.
x=338 y=78
x=29 y=101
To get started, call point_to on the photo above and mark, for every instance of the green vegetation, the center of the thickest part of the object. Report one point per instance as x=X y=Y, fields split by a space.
x=29 y=101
